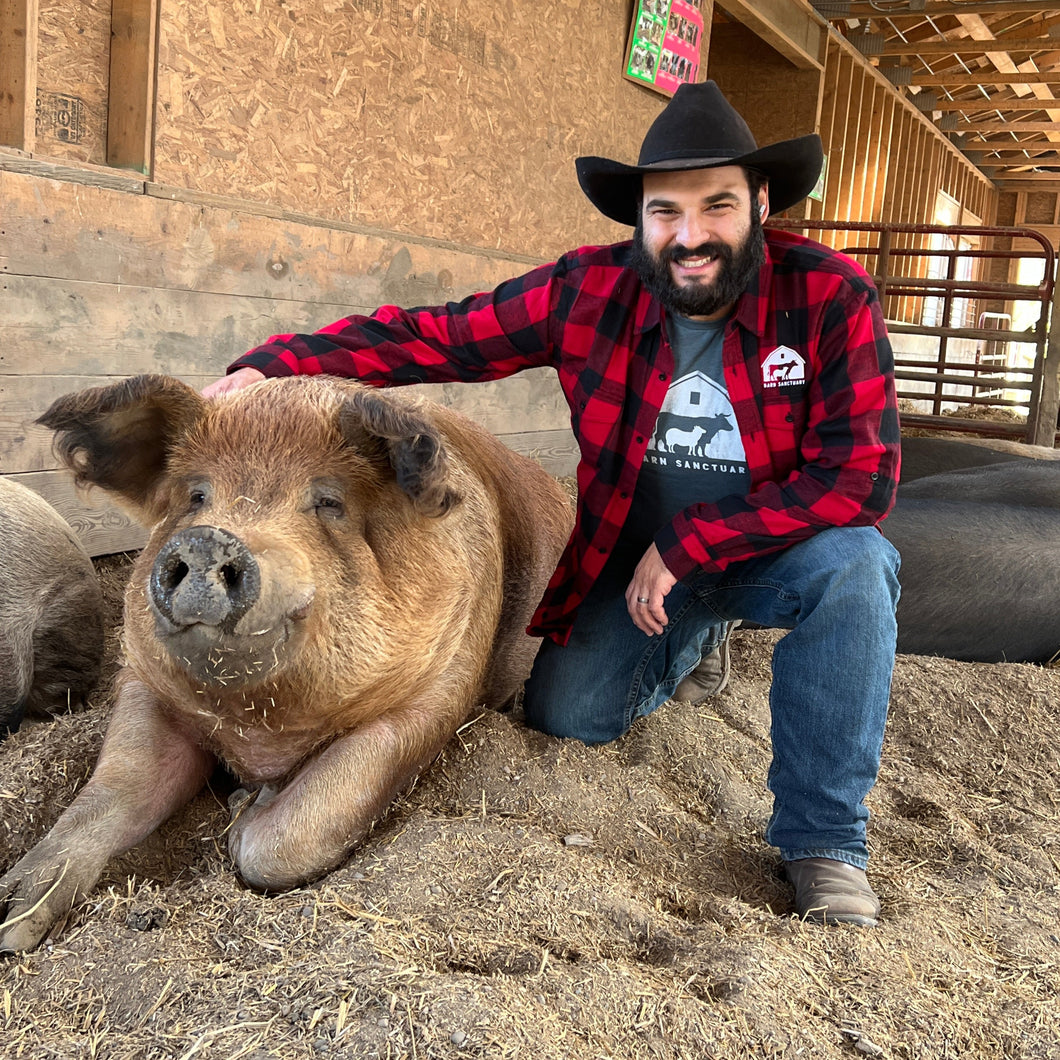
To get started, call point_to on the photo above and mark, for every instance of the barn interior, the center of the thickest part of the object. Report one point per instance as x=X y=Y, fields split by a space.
x=180 y=181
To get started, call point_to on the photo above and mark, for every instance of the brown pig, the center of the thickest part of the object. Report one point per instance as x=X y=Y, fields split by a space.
x=51 y=611
x=335 y=577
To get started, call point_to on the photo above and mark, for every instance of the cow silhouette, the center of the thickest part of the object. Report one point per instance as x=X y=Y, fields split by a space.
x=705 y=430
x=782 y=369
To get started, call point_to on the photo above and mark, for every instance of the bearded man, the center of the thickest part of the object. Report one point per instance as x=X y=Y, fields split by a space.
x=732 y=394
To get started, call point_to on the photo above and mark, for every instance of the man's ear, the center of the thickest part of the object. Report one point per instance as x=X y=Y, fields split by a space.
x=118 y=437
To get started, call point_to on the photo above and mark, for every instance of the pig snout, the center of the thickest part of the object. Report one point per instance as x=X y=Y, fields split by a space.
x=204 y=575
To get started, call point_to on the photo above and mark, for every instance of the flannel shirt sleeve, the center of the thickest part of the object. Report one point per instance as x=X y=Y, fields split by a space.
x=849 y=455
x=486 y=336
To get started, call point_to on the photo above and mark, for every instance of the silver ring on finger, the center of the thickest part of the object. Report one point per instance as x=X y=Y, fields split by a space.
x=642 y=599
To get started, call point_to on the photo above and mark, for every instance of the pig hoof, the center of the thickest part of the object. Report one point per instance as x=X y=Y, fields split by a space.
x=238 y=800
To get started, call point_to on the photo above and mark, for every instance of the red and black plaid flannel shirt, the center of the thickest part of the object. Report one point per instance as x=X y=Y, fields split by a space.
x=822 y=443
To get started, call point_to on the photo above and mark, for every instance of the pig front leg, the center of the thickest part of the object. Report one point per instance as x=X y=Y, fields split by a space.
x=283 y=838
x=148 y=768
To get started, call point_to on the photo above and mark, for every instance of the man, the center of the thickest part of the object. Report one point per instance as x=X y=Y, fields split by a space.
x=733 y=399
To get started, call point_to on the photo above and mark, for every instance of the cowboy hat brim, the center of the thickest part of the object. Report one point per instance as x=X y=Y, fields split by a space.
x=792 y=168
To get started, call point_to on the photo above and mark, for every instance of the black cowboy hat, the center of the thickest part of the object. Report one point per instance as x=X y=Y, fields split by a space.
x=699 y=129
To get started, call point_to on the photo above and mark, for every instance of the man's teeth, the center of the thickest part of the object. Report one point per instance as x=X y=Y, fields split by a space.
x=695 y=263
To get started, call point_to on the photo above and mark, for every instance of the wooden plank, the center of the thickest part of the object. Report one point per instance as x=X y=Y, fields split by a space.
x=58 y=229
x=18 y=73
x=997 y=103
x=847 y=201
x=104 y=528
x=946 y=7
x=883 y=123
x=985 y=77
x=791 y=30
x=837 y=143
x=100 y=526
x=530 y=401
x=968 y=46
x=94 y=176
x=998 y=126
x=131 y=97
x=829 y=96
x=865 y=165
x=82 y=328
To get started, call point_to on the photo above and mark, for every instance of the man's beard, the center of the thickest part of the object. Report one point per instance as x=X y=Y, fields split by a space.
x=737 y=268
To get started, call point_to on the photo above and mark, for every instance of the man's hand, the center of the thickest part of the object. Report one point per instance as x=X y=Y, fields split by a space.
x=236 y=381
x=652 y=580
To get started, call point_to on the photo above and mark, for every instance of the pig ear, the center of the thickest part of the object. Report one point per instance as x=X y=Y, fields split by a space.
x=118 y=437
x=385 y=430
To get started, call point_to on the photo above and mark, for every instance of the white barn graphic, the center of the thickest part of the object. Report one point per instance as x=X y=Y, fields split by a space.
x=783 y=367
x=697 y=421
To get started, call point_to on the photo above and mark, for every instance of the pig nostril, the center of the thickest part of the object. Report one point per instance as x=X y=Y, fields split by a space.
x=232 y=575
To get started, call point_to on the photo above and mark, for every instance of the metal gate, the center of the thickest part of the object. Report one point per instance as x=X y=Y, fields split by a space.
x=902 y=264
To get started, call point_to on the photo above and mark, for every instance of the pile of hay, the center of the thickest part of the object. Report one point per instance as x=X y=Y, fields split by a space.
x=535 y=898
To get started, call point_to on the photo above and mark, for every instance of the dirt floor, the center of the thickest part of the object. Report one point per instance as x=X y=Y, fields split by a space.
x=535 y=898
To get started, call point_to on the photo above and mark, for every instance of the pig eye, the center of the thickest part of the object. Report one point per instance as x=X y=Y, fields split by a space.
x=329 y=507
x=197 y=497
x=327 y=497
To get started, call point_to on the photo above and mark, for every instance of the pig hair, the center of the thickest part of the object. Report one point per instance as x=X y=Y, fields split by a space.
x=118 y=437
x=413 y=446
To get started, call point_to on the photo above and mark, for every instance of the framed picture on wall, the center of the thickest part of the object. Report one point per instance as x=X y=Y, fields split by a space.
x=664 y=43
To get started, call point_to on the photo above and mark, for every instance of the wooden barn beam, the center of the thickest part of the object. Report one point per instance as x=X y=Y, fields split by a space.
x=131 y=100
x=997 y=103
x=18 y=73
x=985 y=77
x=945 y=7
x=795 y=33
x=1016 y=127
x=967 y=46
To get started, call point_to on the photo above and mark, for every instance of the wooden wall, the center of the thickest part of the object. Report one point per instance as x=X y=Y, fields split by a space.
x=100 y=283
x=178 y=181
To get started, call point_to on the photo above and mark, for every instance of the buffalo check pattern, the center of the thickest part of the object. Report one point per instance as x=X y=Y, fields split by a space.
x=822 y=449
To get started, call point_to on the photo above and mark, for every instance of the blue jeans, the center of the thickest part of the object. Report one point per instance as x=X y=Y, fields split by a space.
x=836 y=592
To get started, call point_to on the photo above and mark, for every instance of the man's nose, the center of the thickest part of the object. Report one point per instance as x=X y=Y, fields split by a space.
x=695 y=229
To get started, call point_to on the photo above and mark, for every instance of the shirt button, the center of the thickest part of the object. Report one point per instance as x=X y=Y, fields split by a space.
x=640 y=438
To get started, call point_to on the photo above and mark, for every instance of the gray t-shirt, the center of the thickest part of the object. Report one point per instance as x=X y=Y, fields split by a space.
x=696 y=453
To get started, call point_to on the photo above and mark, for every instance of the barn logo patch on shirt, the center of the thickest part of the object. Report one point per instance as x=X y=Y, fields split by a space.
x=783 y=367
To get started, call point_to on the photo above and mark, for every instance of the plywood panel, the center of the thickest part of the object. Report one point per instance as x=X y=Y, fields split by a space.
x=452 y=121
x=73 y=61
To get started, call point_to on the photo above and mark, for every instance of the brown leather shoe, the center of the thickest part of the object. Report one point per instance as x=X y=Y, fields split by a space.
x=832 y=892
x=710 y=676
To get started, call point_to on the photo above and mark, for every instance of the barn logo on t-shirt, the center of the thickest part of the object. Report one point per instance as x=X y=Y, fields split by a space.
x=783 y=367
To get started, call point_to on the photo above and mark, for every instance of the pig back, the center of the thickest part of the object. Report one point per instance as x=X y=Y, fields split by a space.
x=51 y=610
x=535 y=517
